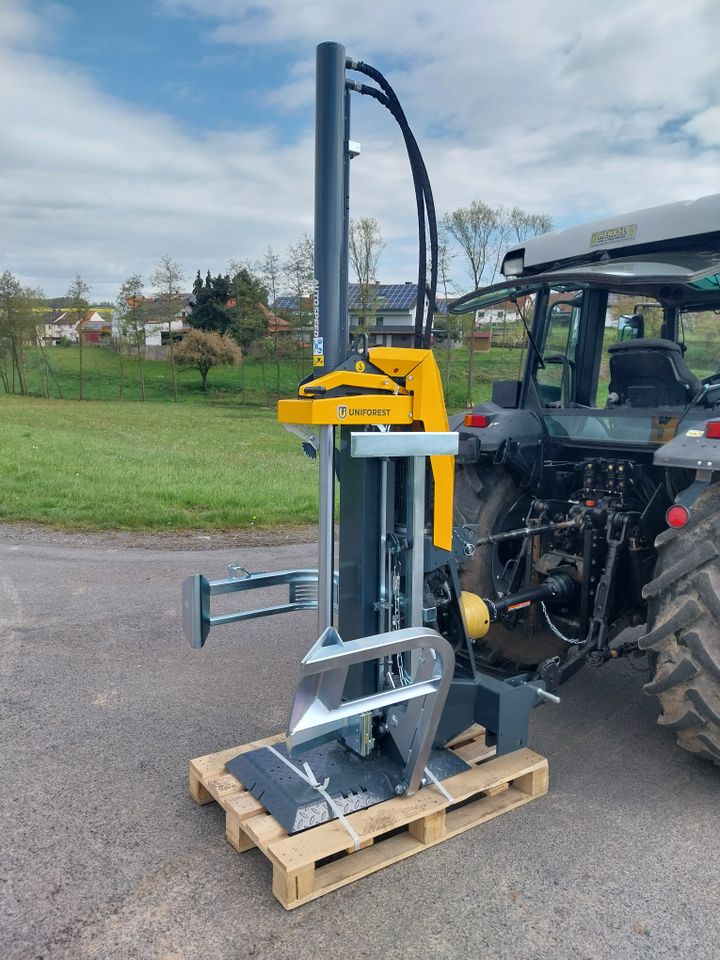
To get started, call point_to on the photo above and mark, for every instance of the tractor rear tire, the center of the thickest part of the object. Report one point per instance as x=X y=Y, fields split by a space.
x=484 y=497
x=683 y=638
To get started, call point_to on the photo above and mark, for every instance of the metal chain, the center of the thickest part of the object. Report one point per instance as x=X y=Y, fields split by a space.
x=395 y=612
x=575 y=642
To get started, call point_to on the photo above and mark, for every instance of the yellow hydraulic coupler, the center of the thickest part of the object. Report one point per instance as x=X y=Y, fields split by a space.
x=477 y=615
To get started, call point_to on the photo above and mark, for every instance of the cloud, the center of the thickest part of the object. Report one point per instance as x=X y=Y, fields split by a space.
x=705 y=127
x=556 y=106
x=92 y=185
x=18 y=25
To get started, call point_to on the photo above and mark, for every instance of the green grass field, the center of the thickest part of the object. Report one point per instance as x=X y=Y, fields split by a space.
x=149 y=466
x=102 y=378
x=215 y=460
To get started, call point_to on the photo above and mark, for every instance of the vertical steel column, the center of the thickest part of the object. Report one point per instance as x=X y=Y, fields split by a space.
x=416 y=531
x=326 y=526
x=330 y=274
x=330 y=182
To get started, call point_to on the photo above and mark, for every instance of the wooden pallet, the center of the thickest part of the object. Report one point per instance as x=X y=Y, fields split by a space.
x=316 y=861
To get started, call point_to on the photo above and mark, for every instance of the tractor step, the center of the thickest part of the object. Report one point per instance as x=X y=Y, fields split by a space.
x=310 y=864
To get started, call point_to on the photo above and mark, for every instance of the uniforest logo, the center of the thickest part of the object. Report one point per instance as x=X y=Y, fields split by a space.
x=371 y=413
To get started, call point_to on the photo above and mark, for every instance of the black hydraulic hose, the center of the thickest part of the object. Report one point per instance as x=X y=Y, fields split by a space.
x=420 y=202
x=424 y=199
x=427 y=190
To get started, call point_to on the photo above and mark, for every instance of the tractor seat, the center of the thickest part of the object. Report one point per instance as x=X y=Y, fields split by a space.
x=651 y=373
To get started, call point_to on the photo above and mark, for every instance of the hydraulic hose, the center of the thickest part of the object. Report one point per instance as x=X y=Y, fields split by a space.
x=419 y=171
x=423 y=195
x=420 y=202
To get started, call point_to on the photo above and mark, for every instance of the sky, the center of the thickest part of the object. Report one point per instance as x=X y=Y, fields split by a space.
x=130 y=129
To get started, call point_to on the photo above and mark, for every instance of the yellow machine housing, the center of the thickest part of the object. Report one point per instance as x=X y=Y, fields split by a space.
x=406 y=394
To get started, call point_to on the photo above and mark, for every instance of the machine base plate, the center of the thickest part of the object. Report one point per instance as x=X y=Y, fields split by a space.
x=354 y=782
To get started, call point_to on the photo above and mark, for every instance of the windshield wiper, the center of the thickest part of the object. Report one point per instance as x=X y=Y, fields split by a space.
x=531 y=339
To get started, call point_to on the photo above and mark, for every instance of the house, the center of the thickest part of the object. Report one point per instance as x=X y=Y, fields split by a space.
x=275 y=325
x=61 y=326
x=94 y=328
x=385 y=311
x=301 y=309
x=499 y=313
x=152 y=320
x=57 y=327
x=481 y=340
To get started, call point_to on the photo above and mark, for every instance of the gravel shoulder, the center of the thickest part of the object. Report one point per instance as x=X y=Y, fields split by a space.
x=162 y=540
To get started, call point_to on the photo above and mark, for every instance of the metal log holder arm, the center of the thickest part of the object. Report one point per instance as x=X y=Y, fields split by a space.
x=392 y=677
x=197 y=590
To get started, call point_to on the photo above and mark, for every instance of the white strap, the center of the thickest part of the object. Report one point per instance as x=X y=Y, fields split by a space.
x=309 y=777
x=441 y=788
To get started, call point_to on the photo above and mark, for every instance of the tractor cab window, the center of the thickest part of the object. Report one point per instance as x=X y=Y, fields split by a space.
x=626 y=319
x=699 y=330
x=555 y=376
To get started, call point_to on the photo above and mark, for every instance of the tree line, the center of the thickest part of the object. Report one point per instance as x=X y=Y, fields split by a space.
x=234 y=314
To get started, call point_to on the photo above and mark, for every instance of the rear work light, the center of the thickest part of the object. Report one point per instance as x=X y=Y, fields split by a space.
x=476 y=420
x=677 y=516
x=712 y=429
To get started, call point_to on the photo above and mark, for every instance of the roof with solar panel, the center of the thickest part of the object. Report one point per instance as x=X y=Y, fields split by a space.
x=386 y=296
x=397 y=297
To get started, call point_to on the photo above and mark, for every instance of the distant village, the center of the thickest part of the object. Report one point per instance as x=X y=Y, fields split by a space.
x=387 y=317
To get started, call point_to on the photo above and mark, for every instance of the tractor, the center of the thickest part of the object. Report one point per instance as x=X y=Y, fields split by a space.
x=480 y=561
x=601 y=463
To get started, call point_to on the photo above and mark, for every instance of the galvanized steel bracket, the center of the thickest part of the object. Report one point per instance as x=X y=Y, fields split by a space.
x=411 y=712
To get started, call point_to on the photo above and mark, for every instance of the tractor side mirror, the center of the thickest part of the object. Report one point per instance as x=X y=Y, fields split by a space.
x=633 y=328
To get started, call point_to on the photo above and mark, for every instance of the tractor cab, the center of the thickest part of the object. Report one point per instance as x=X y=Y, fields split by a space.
x=622 y=320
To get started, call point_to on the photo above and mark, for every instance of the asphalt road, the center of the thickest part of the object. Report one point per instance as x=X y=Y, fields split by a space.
x=103 y=854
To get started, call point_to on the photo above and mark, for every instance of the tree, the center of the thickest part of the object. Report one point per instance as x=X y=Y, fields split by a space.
x=17 y=328
x=365 y=246
x=472 y=229
x=481 y=233
x=77 y=299
x=525 y=225
x=270 y=271
x=247 y=295
x=522 y=226
x=129 y=306
x=210 y=310
x=299 y=273
x=249 y=321
x=445 y=255
x=167 y=280
x=203 y=350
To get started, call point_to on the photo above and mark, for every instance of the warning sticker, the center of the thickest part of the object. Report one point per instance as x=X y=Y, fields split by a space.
x=318 y=345
x=316 y=307
x=319 y=360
